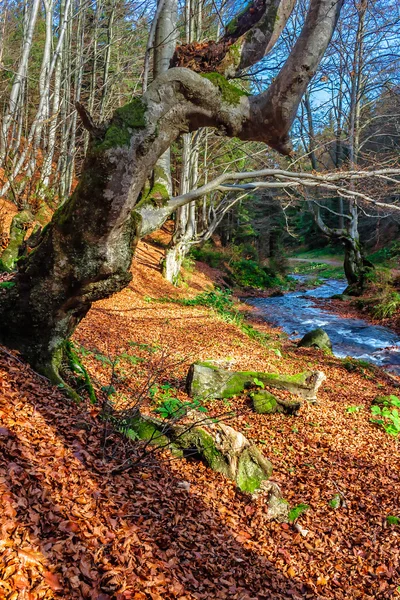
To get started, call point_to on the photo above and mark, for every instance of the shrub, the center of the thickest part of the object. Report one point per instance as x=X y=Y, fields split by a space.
x=248 y=273
x=387 y=307
x=388 y=414
x=211 y=256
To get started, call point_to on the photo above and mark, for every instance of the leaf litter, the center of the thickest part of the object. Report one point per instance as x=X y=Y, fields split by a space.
x=70 y=528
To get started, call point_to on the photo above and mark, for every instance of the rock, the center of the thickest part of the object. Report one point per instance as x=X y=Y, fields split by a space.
x=266 y=403
x=276 y=294
x=341 y=297
x=206 y=380
x=277 y=506
x=317 y=338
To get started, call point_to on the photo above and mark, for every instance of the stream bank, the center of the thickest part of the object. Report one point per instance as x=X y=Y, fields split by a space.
x=298 y=312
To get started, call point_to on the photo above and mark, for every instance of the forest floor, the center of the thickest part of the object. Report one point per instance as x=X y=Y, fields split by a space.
x=173 y=528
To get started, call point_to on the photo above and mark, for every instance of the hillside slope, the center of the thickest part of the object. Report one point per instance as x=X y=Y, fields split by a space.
x=171 y=528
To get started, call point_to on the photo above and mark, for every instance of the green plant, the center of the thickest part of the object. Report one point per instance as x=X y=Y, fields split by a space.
x=248 y=273
x=388 y=414
x=392 y=520
x=353 y=409
x=82 y=376
x=188 y=264
x=176 y=409
x=387 y=307
x=6 y=285
x=335 y=501
x=258 y=383
x=208 y=254
x=296 y=511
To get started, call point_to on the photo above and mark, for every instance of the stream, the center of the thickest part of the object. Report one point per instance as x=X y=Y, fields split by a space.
x=296 y=314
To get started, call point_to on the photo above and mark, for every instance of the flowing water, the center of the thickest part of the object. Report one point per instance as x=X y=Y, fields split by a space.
x=296 y=314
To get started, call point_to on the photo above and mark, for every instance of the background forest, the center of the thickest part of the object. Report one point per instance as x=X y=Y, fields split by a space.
x=104 y=54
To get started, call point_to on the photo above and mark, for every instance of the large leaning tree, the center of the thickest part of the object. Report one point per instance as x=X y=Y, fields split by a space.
x=85 y=252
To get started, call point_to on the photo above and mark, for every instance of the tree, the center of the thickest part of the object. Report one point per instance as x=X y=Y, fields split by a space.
x=85 y=252
x=358 y=67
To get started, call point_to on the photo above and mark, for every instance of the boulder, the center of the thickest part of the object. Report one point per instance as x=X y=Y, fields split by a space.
x=265 y=403
x=317 y=338
x=207 y=380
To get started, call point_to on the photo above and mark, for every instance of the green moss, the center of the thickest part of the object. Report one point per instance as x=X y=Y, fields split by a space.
x=77 y=367
x=203 y=442
x=18 y=229
x=229 y=92
x=236 y=384
x=253 y=469
x=232 y=25
x=145 y=429
x=125 y=120
x=158 y=195
x=264 y=402
x=235 y=51
x=42 y=215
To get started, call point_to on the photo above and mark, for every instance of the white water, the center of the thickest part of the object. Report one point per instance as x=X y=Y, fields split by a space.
x=296 y=314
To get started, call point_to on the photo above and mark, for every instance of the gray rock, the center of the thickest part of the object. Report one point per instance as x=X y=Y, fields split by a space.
x=317 y=338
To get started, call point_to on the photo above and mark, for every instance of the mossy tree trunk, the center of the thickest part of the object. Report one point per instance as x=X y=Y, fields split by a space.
x=85 y=253
x=221 y=447
x=18 y=228
x=356 y=266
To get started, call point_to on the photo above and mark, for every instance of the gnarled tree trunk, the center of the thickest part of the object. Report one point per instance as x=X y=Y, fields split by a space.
x=86 y=251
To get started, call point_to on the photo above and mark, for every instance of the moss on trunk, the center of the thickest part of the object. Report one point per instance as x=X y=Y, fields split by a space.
x=18 y=228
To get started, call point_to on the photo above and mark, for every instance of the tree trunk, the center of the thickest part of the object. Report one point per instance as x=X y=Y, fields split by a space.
x=18 y=228
x=85 y=253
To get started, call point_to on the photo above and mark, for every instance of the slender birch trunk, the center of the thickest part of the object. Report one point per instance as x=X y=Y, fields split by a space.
x=54 y=117
x=77 y=96
x=43 y=99
x=19 y=79
x=107 y=60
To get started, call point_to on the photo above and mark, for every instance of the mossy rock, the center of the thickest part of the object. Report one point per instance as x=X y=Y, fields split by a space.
x=207 y=380
x=202 y=443
x=148 y=429
x=222 y=448
x=317 y=338
x=265 y=403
